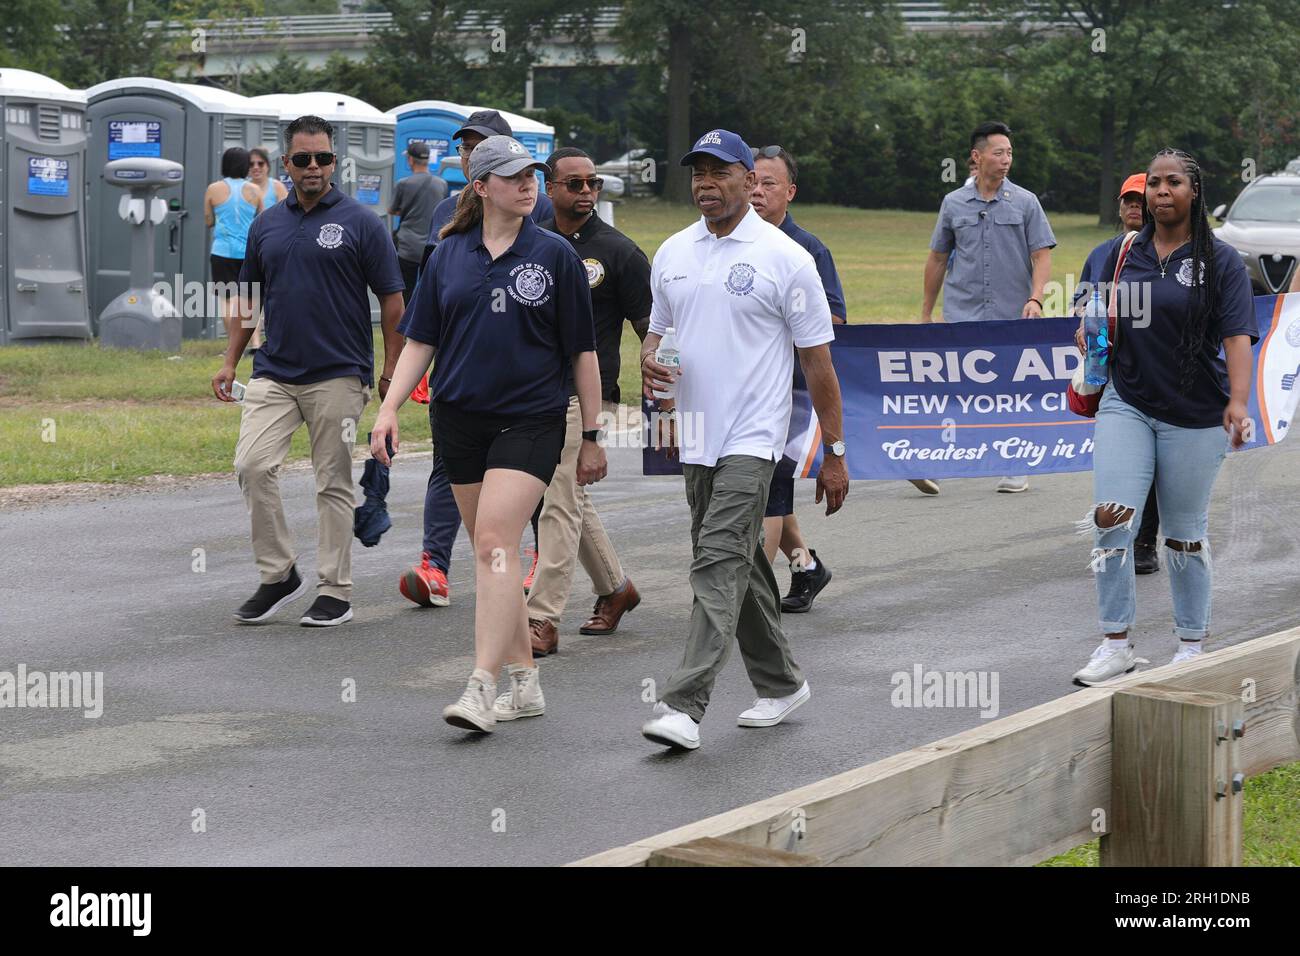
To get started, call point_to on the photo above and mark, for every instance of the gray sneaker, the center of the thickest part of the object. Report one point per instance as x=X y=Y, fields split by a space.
x=1106 y=664
x=474 y=709
x=525 y=696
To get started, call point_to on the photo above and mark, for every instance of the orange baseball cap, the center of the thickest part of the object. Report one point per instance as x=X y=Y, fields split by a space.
x=1137 y=183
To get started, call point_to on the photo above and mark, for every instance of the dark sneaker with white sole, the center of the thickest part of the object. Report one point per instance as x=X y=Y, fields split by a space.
x=805 y=586
x=269 y=598
x=327 y=611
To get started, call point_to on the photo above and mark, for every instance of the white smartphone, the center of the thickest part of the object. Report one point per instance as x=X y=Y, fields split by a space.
x=237 y=390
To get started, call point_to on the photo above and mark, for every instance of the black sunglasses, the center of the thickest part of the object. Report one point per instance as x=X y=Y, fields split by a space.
x=303 y=160
x=594 y=183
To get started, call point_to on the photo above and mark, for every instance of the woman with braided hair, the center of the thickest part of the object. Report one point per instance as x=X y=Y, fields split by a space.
x=1183 y=296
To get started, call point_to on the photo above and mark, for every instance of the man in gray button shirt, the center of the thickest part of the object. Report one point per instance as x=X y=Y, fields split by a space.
x=1002 y=243
x=414 y=200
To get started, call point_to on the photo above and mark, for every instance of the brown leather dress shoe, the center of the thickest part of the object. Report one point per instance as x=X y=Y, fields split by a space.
x=545 y=638
x=610 y=609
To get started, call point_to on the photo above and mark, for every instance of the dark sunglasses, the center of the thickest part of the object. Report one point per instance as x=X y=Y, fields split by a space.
x=594 y=183
x=303 y=160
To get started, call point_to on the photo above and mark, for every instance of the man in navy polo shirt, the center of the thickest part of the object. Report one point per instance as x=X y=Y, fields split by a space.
x=312 y=257
x=777 y=172
x=425 y=583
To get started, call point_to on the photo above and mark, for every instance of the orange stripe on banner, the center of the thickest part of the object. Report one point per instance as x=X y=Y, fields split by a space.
x=1074 y=421
x=812 y=452
x=1263 y=353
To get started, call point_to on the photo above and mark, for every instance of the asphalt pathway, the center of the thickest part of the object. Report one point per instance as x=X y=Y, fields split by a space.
x=248 y=724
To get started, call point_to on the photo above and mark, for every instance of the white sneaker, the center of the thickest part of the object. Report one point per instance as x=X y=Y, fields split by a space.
x=770 y=711
x=1105 y=664
x=1187 y=651
x=525 y=696
x=1011 y=486
x=474 y=709
x=672 y=728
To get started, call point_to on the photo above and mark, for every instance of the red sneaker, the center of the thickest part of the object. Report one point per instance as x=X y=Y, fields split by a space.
x=424 y=584
x=528 y=580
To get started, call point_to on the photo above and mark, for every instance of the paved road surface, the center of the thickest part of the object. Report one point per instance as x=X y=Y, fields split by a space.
x=249 y=725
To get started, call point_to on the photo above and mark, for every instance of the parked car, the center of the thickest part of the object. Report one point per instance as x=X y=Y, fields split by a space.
x=1263 y=225
x=628 y=169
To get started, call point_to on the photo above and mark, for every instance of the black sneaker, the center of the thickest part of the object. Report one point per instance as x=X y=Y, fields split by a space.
x=1146 y=559
x=805 y=586
x=269 y=598
x=327 y=612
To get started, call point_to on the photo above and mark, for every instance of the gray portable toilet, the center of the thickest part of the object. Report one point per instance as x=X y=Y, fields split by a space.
x=188 y=124
x=42 y=209
x=363 y=142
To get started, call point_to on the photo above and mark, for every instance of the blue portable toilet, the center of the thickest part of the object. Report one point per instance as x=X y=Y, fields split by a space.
x=435 y=121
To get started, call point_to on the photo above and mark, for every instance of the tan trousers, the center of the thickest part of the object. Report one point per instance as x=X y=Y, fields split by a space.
x=569 y=530
x=272 y=413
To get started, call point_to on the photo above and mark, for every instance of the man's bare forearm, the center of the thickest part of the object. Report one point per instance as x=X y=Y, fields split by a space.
x=390 y=316
x=824 y=388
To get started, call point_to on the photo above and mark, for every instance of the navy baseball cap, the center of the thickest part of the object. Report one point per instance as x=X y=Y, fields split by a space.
x=723 y=144
x=485 y=123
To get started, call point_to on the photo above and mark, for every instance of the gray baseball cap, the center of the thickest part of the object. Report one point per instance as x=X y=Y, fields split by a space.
x=501 y=156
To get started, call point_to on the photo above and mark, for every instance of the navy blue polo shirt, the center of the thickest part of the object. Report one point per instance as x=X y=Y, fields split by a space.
x=314 y=268
x=506 y=330
x=825 y=264
x=825 y=270
x=443 y=212
x=1094 y=267
x=1147 y=360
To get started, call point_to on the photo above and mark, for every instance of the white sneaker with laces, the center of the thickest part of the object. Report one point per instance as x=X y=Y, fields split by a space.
x=1014 y=485
x=770 y=711
x=524 y=698
x=672 y=728
x=474 y=709
x=1106 y=663
x=1187 y=651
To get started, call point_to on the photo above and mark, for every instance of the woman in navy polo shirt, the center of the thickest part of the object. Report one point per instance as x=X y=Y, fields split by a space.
x=507 y=307
x=1184 y=294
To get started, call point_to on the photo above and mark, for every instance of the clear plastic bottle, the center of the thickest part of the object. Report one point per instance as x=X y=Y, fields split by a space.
x=668 y=356
x=1097 y=337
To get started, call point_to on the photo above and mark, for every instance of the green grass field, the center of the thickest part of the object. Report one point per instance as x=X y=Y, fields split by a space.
x=118 y=416
x=1270 y=824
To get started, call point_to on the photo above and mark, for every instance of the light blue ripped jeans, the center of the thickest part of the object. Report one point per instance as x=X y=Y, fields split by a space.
x=1130 y=448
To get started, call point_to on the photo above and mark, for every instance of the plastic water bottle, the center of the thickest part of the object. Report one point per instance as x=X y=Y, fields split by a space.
x=668 y=356
x=1096 y=333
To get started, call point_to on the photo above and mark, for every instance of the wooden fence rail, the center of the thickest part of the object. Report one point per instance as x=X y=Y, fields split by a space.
x=1023 y=788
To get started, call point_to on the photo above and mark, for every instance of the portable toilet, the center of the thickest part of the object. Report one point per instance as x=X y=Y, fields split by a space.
x=435 y=121
x=363 y=142
x=42 y=209
x=188 y=124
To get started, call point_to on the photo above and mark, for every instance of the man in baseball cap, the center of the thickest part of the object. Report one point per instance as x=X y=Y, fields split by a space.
x=723 y=144
x=415 y=197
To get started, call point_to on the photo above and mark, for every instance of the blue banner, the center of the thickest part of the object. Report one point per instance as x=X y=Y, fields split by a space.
x=978 y=399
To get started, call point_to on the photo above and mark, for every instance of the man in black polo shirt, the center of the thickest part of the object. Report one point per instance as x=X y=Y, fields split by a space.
x=569 y=529
x=312 y=257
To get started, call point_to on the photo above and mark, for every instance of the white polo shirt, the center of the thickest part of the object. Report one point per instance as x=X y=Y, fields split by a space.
x=739 y=305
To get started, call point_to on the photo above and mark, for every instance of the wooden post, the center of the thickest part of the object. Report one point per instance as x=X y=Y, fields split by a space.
x=1174 y=799
x=712 y=852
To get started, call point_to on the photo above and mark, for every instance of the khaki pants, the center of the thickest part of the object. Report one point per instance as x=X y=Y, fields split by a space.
x=735 y=593
x=272 y=413
x=569 y=530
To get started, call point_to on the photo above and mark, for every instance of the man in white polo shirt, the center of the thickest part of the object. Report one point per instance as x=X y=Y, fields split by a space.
x=740 y=296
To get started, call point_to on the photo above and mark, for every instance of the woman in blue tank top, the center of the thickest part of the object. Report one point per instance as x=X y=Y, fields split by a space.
x=229 y=206
x=259 y=173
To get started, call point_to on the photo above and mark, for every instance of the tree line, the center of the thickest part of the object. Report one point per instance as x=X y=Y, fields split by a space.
x=877 y=114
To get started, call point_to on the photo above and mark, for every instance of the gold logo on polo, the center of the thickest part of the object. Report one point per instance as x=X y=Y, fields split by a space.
x=595 y=272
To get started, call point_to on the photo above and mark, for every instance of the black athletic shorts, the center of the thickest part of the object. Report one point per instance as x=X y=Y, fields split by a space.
x=469 y=443
x=225 y=270
x=780 y=493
